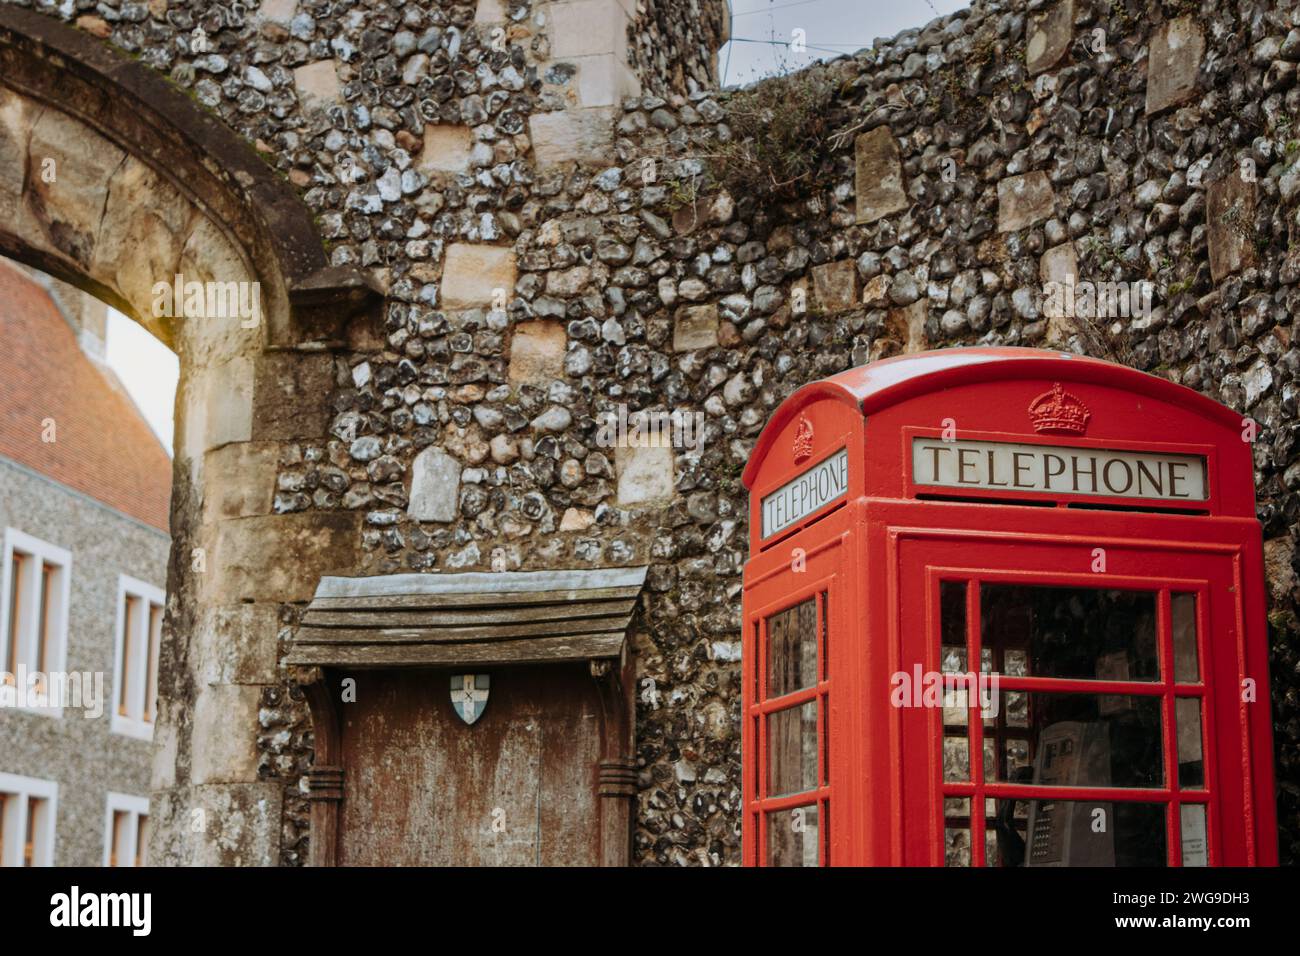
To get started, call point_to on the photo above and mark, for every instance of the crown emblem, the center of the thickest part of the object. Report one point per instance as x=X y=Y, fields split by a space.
x=803 y=441
x=1059 y=411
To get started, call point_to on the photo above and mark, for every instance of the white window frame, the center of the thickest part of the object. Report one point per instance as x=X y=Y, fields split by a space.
x=135 y=808
x=41 y=552
x=15 y=819
x=129 y=724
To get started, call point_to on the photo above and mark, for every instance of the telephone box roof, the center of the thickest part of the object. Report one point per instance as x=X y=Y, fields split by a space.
x=877 y=385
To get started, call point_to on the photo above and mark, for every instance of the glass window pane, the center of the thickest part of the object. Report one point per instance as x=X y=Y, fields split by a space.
x=1191 y=765
x=826 y=745
x=1018 y=768
x=952 y=659
x=1015 y=663
x=1017 y=708
x=121 y=820
x=1075 y=633
x=1010 y=819
x=45 y=617
x=956 y=707
x=126 y=691
x=956 y=807
x=1092 y=740
x=956 y=759
x=142 y=840
x=792 y=837
x=956 y=846
x=792 y=649
x=1095 y=833
x=792 y=750
x=1182 y=619
x=1195 y=849
x=952 y=627
x=17 y=591
x=826 y=630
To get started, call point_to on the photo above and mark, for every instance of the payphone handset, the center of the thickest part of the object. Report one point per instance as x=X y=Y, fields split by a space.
x=1070 y=832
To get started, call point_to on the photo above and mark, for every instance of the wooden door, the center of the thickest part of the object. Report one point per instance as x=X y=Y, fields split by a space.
x=516 y=788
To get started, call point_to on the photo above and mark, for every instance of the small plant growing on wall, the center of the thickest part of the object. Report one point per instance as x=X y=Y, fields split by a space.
x=780 y=128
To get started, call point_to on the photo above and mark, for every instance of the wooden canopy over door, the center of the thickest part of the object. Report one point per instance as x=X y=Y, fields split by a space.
x=545 y=776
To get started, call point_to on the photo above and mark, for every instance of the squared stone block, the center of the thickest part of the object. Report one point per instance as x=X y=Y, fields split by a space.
x=1059 y=263
x=228 y=403
x=239 y=825
x=604 y=80
x=318 y=85
x=15 y=127
x=277 y=11
x=537 y=352
x=237 y=644
x=695 y=327
x=1049 y=37
x=472 y=275
x=645 y=472
x=490 y=11
x=224 y=734
x=836 y=285
x=575 y=135
x=587 y=27
x=1229 y=220
x=279 y=558
x=446 y=149
x=162 y=768
x=235 y=320
x=69 y=210
x=1024 y=200
x=1058 y=267
x=239 y=480
x=147 y=222
x=435 y=486
x=1176 y=51
x=879 y=175
x=291 y=391
x=907 y=326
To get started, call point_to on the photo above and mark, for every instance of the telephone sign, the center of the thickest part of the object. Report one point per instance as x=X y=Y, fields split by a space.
x=998 y=611
x=807 y=492
x=1057 y=468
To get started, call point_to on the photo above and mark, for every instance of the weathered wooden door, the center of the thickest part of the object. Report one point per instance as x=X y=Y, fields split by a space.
x=516 y=788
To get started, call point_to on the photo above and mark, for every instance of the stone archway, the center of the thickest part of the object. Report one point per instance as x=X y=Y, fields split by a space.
x=114 y=181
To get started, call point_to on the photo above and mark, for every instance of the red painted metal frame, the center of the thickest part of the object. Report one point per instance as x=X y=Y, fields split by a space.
x=930 y=852
x=880 y=551
x=823 y=586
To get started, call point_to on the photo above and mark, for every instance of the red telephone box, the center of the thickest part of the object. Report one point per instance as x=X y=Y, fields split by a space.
x=1005 y=607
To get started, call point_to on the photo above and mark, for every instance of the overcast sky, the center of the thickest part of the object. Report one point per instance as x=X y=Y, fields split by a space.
x=147 y=368
x=761 y=32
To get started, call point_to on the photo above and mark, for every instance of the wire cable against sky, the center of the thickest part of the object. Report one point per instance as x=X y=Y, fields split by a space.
x=809 y=46
x=783 y=6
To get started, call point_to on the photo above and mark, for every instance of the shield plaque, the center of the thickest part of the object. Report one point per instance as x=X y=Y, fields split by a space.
x=469 y=694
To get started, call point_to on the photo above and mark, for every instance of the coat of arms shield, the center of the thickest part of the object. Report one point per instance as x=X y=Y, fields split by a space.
x=469 y=694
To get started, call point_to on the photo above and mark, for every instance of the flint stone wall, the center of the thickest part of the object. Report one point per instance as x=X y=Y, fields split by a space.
x=981 y=153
